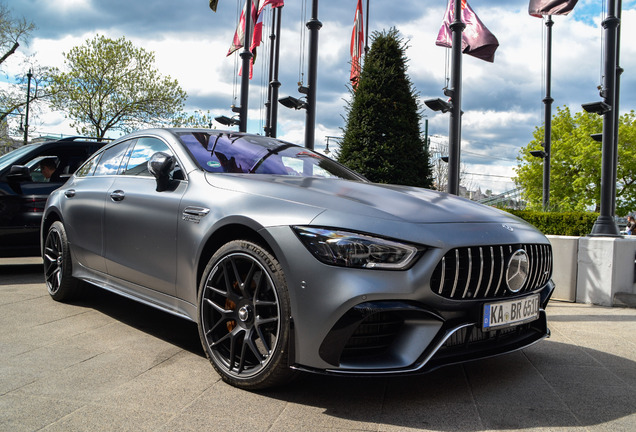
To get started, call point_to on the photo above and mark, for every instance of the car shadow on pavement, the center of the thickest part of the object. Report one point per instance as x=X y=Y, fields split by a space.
x=14 y=274
x=539 y=387
x=172 y=329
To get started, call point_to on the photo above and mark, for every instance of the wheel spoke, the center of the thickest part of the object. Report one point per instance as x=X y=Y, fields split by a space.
x=50 y=269
x=248 y=281
x=261 y=303
x=236 y=277
x=218 y=308
x=257 y=284
x=263 y=321
x=249 y=343
x=263 y=339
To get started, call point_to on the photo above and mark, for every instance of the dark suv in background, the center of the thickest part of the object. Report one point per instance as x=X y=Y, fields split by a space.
x=26 y=183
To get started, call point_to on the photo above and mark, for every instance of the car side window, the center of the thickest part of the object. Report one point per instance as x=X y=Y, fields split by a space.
x=89 y=166
x=142 y=152
x=111 y=159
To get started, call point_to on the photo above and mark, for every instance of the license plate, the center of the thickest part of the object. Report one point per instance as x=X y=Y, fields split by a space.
x=512 y=312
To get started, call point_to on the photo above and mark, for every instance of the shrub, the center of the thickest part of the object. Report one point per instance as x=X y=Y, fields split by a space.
x=554 y=223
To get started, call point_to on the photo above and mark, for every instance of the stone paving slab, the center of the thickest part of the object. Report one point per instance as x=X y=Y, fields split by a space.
x=105 y=363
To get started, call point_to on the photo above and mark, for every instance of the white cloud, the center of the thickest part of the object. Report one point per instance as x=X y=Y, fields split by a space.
x=502 y=100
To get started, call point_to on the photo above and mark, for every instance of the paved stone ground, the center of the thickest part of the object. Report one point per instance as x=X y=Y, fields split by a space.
x=108 y=364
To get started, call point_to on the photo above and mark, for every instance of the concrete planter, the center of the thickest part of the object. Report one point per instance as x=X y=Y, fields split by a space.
x=607 y=271
x=565 y=250
x=596 y=270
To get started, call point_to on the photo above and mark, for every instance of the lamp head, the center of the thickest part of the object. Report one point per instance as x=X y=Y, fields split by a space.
x=438 y=105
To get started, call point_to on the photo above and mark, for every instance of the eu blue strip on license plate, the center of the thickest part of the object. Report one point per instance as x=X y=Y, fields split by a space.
x=511 y=312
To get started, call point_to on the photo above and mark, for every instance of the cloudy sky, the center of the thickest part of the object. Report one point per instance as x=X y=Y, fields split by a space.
x=502 y=101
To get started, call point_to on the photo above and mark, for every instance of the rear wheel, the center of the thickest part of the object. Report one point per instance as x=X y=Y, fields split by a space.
x=244 y=316
x=58 y=266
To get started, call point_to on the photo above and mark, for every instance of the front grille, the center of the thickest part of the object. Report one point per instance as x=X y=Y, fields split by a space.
x=479 y=272
x=373 y=336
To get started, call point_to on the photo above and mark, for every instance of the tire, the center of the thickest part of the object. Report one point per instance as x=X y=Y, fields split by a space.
x=244 y=316
x=58 y=267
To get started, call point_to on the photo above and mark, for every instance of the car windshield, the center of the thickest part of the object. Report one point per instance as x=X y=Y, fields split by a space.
x=236 y=153
x=10 y=158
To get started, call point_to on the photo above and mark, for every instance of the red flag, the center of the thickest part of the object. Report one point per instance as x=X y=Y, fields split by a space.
x=256 y=26
x=538 y=8
x=357 y=42
x=257 y=35
x=239 y=34
x=477 y=40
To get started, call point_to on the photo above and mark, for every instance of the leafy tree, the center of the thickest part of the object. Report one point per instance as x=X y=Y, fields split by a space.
x=197 y=119
x=382 y=139
x=111 y=84
x=575 y=177
x=14 y=32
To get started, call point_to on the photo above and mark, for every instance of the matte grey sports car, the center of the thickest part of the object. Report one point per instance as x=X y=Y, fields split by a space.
x=289 y=261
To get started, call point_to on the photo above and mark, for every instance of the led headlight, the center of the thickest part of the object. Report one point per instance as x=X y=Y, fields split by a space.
x=348 y=249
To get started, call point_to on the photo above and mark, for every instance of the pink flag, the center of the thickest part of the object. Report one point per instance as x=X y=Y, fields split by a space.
x=357 y=42
x=477 y=40
x=538 y=8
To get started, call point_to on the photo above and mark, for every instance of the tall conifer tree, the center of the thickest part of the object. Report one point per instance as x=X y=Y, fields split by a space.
x=382 y=139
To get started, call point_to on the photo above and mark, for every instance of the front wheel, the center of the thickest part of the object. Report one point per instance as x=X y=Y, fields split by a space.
x=244 y=316
x=62 y=286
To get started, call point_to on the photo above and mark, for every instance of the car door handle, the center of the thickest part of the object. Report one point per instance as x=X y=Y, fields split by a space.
x=70 y=193
x=117 y=195
x=196 y=211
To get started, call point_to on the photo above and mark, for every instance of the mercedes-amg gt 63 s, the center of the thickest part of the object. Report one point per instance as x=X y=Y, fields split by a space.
x=289 y=261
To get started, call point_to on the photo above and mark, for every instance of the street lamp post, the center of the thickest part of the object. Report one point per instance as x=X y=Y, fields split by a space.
x=547 y=128
x=454 y=104
x=26 y=117
x=246 y=57
x=312 y=76
x=605 y=225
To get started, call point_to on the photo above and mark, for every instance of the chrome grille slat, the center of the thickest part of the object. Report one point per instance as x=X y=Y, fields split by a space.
x=478 y=272
x=441 y=285
x=456 y=272
x=542 y=268
x=492 y=270
x=532 y=273
x=470 y=272
x=481 y=271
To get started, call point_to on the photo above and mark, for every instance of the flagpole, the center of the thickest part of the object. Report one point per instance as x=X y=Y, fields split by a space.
x=275 y=83
x=366 y=40
x=271 y=108
x=312 y=76
x=547 y=120
x=246 y=56
x=605 y=225
x=455 y=93
x=619 y=71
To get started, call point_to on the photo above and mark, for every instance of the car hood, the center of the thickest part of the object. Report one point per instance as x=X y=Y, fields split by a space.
x=391 y=202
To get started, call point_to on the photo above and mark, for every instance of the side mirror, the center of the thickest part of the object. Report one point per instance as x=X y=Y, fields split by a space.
x=160 y=165
x=19 y=173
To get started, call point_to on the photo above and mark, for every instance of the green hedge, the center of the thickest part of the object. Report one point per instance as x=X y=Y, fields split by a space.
x=553 y=223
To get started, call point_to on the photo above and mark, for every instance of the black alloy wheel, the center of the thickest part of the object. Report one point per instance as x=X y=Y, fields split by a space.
x=57 y=264
x=244 y=316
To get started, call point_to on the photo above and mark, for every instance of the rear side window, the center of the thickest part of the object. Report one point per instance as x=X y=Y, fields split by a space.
x=111 y=159
x=89 y=167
